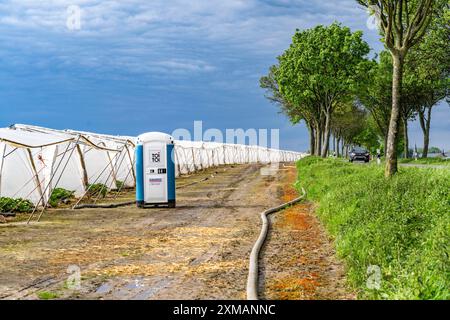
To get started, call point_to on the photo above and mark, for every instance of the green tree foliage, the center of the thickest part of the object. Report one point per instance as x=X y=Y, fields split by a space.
x=295 y=113
x=434 y=150
x=273 y=94
x=368 y=136
x=425 y=83
x=427 y=71
x=377 y=95
x=320 y=72
x=349 y=121
x=403 y=23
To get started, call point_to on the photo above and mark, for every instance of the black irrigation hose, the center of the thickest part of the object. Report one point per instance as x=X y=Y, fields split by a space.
x=104 y=206
x=198 y=181
x=253 y=270
x=192 y=183
x=8 y=214
x=123 y=204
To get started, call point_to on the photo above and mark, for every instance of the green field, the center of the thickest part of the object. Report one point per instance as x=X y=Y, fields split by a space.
x=401 y=225
x=436 y=161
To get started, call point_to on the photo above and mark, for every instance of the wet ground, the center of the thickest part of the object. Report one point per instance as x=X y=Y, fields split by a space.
x=198 y=250
x=298 y=260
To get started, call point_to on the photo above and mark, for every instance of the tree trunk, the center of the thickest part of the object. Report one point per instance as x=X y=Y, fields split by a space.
x=323 y=139
x=405 y=133
x=425 y=123
x=385 y=145
x=326 y=135
x=312 y=143
x=318 y=141
x=337 y=147
x=392 y=139
x=427 y=137
x=334 y=144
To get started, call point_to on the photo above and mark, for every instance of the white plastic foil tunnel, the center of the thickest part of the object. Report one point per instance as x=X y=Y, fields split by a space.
x=35 y=160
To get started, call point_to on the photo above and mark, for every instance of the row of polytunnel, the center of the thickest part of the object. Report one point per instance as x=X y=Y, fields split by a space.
x=35 y=160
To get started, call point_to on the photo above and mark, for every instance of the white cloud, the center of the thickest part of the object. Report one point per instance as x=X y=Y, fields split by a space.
x=159 y=35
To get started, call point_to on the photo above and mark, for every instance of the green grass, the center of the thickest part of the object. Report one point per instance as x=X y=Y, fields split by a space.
x=400 y=224
x=438 y=161
x=46 y=295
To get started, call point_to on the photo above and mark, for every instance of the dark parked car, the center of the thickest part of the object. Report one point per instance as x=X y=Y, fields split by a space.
x=359 y=153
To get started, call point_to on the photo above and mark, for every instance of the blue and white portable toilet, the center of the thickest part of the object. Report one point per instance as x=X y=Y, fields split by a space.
x=155 y=170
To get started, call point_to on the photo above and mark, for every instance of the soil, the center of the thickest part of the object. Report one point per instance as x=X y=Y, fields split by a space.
x=199 y=250
x=298 y=260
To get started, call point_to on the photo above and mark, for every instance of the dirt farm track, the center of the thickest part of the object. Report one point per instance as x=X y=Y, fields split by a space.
x=198 y=250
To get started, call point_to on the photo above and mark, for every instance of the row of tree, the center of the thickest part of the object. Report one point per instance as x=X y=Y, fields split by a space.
x=326 y=79
x=316 y=81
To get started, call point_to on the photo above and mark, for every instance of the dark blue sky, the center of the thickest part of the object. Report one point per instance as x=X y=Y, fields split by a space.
x=141 y=65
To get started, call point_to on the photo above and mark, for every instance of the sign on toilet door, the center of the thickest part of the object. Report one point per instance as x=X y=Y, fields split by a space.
x=155 y=187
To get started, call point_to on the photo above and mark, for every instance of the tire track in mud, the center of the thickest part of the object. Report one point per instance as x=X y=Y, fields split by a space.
x=127 y=253
x=198 y=250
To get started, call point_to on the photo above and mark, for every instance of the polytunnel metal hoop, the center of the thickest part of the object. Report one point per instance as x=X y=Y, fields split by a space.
x=126 y=177
x=111 y=174
x=59 y=179
x=95 y=181
x=50 y=181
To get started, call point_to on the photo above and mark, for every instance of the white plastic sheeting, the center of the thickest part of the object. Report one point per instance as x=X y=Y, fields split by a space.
x=35 y=160
x=191 y=156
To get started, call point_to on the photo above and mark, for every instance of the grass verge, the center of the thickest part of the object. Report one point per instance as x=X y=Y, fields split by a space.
x=437 y=161
x=400 y=226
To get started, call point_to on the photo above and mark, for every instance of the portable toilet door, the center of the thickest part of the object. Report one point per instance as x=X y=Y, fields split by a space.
x=155 y=170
